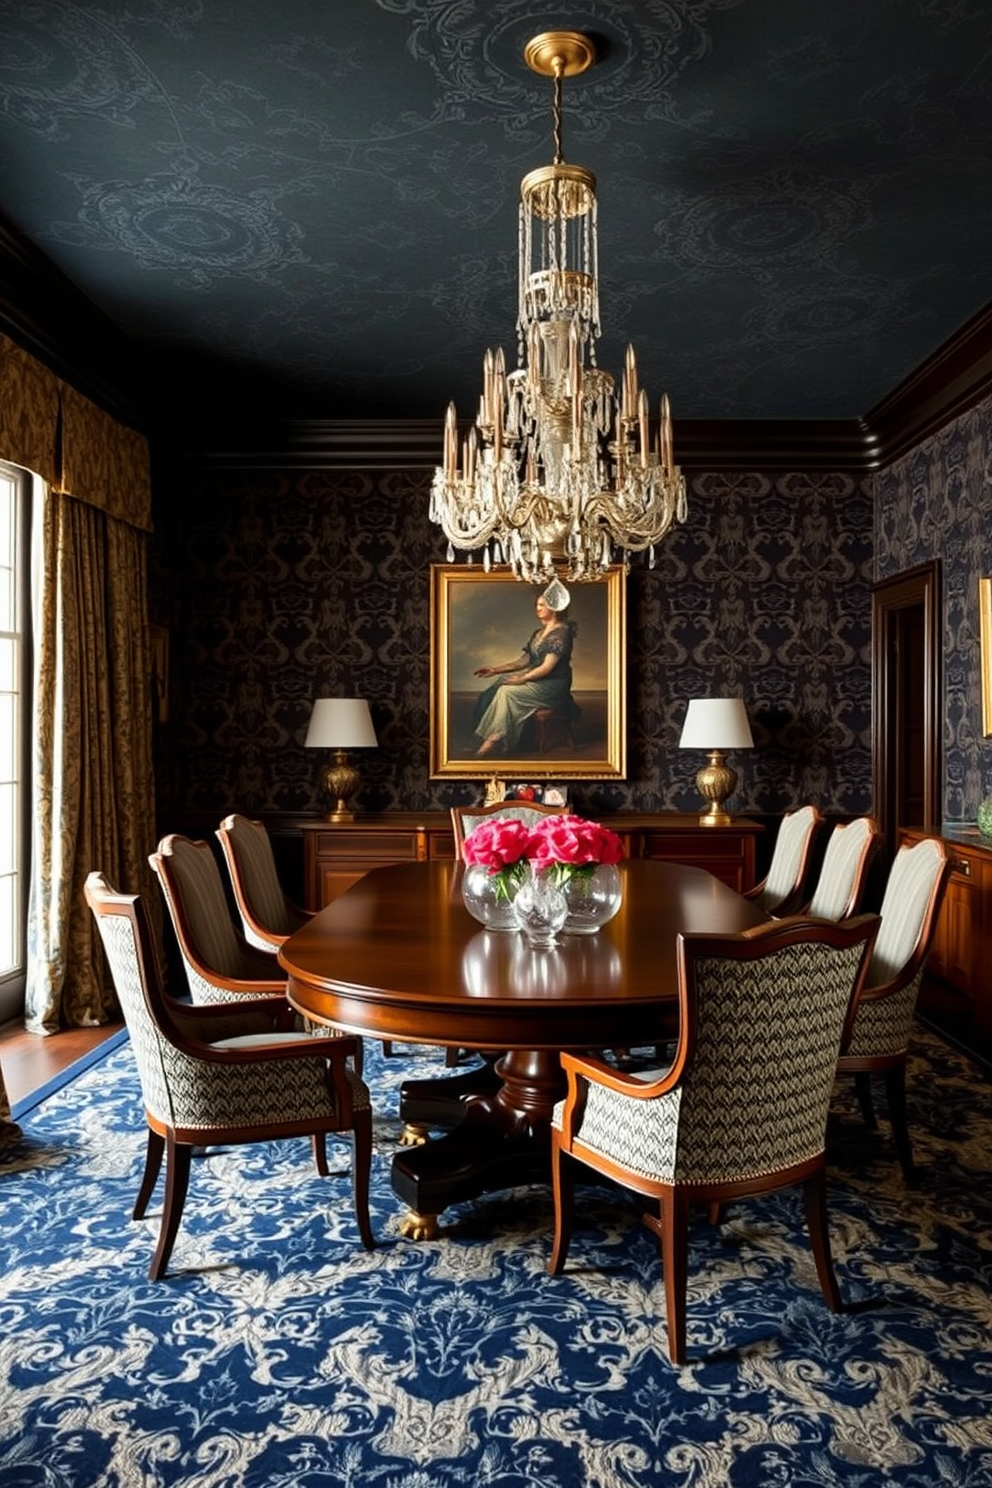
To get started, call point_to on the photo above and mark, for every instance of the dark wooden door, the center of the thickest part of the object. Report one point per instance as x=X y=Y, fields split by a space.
x=907 y=722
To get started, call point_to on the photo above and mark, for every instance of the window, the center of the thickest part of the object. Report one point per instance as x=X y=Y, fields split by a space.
x=15 y=681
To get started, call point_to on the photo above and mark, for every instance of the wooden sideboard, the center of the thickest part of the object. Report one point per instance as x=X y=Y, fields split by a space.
x=336 y=854
x=958 y=993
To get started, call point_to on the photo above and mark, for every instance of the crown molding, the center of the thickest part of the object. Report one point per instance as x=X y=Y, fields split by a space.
x=953 y=380
x=416 y=444
x=44 y=312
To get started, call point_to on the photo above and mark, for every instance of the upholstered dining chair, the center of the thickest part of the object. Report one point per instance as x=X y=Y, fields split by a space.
x=714 y=1126
x=268 y=917
x=841 y=880
x=220 y=964
x=464 y=819
x=878 y=1042
x=780 y=892
x=223 y=1074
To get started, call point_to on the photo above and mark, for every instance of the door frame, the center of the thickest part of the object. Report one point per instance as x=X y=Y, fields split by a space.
x=912 y=588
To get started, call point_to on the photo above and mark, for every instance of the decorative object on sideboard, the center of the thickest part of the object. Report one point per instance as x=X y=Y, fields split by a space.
x=340 y=724
x=557 y=469
x=983 y=818
x=985 y=651
x=716 y=725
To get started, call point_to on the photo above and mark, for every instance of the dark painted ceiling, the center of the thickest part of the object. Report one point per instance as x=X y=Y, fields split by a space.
x=315 y=203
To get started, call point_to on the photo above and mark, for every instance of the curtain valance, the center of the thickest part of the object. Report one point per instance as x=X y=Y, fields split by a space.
x=81 y=451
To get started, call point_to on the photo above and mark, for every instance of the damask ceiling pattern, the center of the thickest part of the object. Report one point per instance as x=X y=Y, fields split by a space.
x=314 y=204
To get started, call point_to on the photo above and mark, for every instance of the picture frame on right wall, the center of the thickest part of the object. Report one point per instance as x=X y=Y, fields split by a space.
x=985 y=633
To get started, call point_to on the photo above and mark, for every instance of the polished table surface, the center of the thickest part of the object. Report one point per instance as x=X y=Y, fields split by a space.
x=399 y=957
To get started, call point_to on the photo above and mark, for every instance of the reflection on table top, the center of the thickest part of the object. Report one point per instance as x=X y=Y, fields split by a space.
x=398 y=955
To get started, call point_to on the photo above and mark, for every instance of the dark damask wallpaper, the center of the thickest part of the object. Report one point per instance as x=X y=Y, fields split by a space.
x=279 y=588
x=935 y=503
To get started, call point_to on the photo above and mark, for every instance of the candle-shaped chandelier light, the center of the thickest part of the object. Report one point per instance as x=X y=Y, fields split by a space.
x=559 y=473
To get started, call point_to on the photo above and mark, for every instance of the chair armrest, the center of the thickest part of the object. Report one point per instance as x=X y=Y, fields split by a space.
x=209 y=1021
x=582 y=1071
x=598 y=1072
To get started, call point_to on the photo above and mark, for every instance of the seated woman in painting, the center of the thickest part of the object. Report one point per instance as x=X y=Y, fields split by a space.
x=540 y=677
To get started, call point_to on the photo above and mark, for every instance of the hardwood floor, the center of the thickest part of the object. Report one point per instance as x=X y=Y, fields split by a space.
x=30 y=1060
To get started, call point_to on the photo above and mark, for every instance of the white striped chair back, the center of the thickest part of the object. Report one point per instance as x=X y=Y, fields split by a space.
x=842 y=874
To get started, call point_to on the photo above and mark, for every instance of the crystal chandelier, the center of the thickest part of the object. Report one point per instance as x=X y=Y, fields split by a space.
x=558 y=473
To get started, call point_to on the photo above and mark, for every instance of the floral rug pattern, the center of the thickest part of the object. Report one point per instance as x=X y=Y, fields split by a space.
x=278 y=1354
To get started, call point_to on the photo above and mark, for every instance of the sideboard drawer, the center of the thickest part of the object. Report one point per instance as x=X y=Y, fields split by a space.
x=337 y=854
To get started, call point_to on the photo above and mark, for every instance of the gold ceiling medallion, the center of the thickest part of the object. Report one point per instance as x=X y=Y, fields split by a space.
x=559 y=472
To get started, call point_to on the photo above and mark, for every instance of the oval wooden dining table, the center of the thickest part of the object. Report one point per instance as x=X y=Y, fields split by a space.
x=399 y=957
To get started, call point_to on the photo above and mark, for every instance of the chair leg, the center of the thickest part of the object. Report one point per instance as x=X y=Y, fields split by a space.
x=674 y=1232
x=815 y=1196
x=318 y=1142
x=895 y=1089
x=563 y=1187
x=178 y=1156
x=153 y=1165
x=862 y=1087
x=361 y=1167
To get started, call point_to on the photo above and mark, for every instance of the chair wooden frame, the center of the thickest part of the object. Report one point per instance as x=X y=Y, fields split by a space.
x=791 y=900
x=252 y=921
x=191 y=1031
x=671 y=1224
x=891 y=1065
x=263 y=976
x=518 y=809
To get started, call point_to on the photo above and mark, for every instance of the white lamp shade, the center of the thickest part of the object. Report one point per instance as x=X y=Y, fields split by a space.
x=341 y=723
x=716 y=723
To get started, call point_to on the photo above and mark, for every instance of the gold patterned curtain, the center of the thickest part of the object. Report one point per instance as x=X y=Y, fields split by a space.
x=93 y=789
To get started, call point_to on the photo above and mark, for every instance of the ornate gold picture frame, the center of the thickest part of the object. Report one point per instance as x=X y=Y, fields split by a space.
x=483 y=620
x=985 y=632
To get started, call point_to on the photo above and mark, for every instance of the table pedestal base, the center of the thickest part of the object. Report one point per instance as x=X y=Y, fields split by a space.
x=503 y=1139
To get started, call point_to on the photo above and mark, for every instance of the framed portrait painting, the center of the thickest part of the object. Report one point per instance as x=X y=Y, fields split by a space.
x=521 y=690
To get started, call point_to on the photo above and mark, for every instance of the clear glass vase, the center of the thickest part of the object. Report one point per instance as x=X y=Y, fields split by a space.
x=591 y=898
x=489 y=897
x=540 y=909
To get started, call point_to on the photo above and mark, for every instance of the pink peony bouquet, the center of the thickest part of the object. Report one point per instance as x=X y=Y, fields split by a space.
x=571 y=847
x=566 y=846
x=502 y=846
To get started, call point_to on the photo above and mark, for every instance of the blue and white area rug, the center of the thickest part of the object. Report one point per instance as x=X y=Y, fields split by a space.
x=278 y=1354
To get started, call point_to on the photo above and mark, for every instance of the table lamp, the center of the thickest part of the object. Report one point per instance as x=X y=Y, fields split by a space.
x=716 y=725
x=340 y=724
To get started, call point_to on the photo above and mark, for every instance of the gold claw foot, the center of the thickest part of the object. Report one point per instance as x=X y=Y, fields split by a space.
x=416 y=1226
x=412 y=1136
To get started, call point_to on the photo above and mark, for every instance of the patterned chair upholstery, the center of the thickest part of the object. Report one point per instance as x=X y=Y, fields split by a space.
x=223 y=1074
x=267 y=917
x=725 y=1120
x=842 y=875
x=879 y=1037
x=220 y=965
x=464 y=819
x=780 y=892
